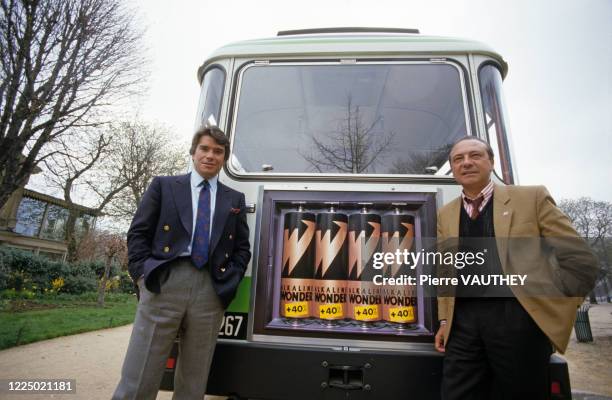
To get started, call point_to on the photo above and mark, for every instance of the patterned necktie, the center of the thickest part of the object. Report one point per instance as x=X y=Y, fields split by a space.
x=199 y=247
x=475 y=206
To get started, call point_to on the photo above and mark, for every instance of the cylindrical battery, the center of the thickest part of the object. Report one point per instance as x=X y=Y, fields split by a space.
x=298 y=259
x=330 y=273
x=399 y=292
x=364 y=297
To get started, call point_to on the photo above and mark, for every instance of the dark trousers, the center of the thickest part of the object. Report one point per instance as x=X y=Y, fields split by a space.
x=495 y=351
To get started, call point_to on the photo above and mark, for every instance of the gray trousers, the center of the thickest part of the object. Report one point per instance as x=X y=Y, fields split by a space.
x=188 y=302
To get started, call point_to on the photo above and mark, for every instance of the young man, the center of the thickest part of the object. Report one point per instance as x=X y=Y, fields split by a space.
x=188 y=249
x=500 y=344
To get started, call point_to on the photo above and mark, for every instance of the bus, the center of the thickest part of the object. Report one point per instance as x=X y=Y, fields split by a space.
x=340 y=141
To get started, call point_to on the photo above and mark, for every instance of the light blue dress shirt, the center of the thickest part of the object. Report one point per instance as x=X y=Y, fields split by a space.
x=195 y=181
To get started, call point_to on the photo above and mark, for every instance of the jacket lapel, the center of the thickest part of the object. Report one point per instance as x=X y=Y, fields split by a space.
x=222 y=209
x=182 y=200
x=502 y=216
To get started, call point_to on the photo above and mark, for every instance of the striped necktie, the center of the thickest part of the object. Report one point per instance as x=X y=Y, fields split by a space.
x=475 y=206
x=199 y=247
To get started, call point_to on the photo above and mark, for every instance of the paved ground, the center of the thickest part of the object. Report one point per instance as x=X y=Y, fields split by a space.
x=94 y=359
x=590 y=364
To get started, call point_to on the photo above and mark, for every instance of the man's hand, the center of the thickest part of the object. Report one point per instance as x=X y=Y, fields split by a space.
x=440 y=336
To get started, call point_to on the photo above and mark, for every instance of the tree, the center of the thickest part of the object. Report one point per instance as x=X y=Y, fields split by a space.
x=144 y=151
x=62 y=63
x=352 y=148
x=115 y=250
x=113 y=167
x=593 y=220
x=75 y=157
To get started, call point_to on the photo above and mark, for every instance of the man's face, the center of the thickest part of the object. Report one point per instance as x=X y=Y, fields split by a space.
x=208 y=157
x=471 y=164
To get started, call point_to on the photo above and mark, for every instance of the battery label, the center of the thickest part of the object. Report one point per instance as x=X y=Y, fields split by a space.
x=333 y=310
x=296 y=309
x=366 y=313
x=401 y=314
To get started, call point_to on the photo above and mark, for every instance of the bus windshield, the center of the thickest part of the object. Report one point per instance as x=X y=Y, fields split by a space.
x=372 y=118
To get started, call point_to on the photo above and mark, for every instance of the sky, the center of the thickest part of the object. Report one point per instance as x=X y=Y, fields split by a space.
x=558 y=90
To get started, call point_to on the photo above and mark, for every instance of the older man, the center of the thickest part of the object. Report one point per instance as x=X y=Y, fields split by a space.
x=500 y=342
x=188 y=249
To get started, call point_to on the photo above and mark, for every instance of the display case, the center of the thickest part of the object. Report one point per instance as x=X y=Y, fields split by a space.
x=320 y=266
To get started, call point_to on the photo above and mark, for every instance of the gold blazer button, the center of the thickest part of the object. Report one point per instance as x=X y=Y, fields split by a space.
x=166 y=249
x=166 y=228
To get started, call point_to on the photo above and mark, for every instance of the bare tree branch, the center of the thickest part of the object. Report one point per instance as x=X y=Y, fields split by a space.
x=593 y=220
x=353 y=148
x=145 y=151
x=61 y=63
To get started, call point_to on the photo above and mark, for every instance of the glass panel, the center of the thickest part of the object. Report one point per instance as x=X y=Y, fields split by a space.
x=495 y=120
x=29 y=216
x=83 y=224
x=211 y=96
x=54 y=226
x=353 y=119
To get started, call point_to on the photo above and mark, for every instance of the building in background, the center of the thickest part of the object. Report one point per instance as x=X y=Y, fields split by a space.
x=36 y=222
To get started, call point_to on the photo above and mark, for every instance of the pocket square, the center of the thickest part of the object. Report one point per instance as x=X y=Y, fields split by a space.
x=235 y=210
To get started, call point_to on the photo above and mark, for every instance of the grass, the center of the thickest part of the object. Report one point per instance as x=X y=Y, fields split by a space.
x=27 y=321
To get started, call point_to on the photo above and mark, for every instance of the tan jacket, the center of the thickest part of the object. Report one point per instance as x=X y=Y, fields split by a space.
x=530 y=211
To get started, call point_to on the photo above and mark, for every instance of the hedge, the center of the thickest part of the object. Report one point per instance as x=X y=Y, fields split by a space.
x=24 y=271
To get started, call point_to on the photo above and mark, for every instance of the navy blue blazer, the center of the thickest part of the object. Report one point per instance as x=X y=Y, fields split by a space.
x=161 y=231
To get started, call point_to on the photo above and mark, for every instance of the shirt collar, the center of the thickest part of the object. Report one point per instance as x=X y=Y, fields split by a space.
x=485 y=192
x=196 y=179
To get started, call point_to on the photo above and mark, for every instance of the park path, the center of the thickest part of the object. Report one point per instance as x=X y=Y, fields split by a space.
x=94 y=359
x=590 y=364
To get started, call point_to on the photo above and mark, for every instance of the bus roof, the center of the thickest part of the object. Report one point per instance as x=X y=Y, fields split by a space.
x=352 y=44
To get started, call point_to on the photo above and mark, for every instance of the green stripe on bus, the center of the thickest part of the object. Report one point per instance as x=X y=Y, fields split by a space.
x=243 y=297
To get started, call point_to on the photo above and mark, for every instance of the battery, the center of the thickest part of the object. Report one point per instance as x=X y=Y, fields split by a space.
x=364 y=298
x=330 y=272
x=399 y=301
x=297 y=265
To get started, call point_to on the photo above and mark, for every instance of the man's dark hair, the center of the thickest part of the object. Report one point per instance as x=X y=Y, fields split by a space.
x=464 y=138
x=217 y=134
